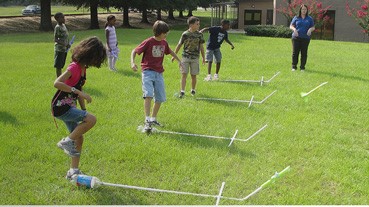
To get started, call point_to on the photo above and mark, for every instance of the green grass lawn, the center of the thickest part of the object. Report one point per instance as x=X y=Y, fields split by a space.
x=324 y=138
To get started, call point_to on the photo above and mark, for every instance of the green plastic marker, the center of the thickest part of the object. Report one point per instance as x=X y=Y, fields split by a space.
x=270 y=181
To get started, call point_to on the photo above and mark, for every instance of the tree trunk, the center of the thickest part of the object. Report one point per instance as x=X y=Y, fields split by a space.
x=189 y=13
x=170 y=14
x=45 y=22
x=94 y=15
x=144 y=16
x=158 y=14
x=126 y=16
x=180 y=15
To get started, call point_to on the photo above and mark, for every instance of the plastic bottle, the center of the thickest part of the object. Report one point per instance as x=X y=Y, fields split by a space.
x=85 y=180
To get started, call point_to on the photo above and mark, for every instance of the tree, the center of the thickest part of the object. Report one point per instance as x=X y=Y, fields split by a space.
x=45 y=22
x=361 y=14
x=93 y=5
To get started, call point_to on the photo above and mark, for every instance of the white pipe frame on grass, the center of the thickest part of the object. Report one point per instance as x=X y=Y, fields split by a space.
x=155 y=130
x=254 y=81
x=241 y=101
x=217 y=197
x=306 y=94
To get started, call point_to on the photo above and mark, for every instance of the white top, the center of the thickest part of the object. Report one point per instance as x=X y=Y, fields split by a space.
x=112 y=37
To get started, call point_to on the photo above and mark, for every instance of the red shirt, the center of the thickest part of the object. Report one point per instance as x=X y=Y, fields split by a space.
x=153 y=54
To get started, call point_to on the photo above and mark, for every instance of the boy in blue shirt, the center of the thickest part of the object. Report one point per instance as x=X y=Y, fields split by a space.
x=217 y=35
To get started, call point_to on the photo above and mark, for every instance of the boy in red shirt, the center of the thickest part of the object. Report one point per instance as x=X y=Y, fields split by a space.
x=153 y=49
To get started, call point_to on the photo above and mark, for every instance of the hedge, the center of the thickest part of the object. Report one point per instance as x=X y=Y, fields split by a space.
x=268 y=31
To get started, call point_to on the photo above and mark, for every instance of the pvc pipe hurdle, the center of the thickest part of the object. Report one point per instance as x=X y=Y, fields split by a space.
x=251 y=101
x=261 y=81
x=217 y=197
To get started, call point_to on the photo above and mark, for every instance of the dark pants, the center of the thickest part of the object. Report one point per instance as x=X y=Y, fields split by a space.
x=299 y=44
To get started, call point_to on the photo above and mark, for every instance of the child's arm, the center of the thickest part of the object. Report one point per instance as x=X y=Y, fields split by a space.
x=107 y=39
x=178 y=47
x=59 y=84
x=133 y=64
x=202 y=53
x=230 y=43
x=204 y=30
x=82 y=103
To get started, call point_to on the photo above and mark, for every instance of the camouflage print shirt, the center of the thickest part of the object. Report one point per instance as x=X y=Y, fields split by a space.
x=191 y=44
x=61 y=33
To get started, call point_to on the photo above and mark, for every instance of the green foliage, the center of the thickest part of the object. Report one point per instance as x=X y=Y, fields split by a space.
x=268 y=31
x=324 y=138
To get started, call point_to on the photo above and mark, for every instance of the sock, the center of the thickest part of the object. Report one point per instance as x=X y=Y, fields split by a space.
x=192 y=89
x=153 y=119
x=147 y=118
x=73 y=169
x=68 y=139
x=182 y=91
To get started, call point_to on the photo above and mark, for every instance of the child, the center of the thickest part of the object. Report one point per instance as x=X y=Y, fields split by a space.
x=193 y=42
x=90 y=52
x=61 y=43
x=217 y=35
x=153 y=49
x=111 y=42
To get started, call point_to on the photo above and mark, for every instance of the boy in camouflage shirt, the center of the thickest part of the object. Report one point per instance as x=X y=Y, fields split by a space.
x=192 y=41
x=61 y=43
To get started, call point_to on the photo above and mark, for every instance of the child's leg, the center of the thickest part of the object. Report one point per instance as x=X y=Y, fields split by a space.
x=217 y=68
x=183 y=81
x=88 y=122
x=114 y=61
x=75 y=160
x=194 y=81
x=147 y=106
x=58 y=72
x=209 y=67
x=156 y=108
x=110 y=62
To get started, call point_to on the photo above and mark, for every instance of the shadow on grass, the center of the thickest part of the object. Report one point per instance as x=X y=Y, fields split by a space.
x=93 y=92
x=8 y=118
x=338 y=75
x=221 y=144
x=129 y=73
x=227 y=102
x=107 y=195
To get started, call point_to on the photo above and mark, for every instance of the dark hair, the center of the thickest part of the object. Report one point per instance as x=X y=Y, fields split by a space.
x=224 y=21
x=159 y=28
x=90 y=52
x=110 y=17
x=307 y=12
x=192 y=20
x=57 y=15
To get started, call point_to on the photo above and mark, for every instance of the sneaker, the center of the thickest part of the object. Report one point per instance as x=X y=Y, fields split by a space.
x=147 y=127
x=193 y=92
x=72 y=172
x=181 y=94
x=156 y=123
x=216 y=77
x=293 y=69
x=208 y=77
x=68 y=147
x=302 y=70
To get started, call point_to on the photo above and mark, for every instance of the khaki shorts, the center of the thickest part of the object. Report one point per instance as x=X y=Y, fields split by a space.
x=191 y=65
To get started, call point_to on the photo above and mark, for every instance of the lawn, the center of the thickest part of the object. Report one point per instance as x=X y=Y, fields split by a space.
x=324 y=138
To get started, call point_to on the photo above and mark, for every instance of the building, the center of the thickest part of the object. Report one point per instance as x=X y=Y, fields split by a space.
x=341 y=26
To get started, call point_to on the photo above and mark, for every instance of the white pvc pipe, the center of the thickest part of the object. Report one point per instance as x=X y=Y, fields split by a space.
x=232 y=139
x=272 y=77
x=220 y=194
x=268 y=96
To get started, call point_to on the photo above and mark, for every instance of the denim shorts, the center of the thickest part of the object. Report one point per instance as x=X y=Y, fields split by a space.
x=190 y=65
x=153 y=85
x=213 y=53
x=72 y=117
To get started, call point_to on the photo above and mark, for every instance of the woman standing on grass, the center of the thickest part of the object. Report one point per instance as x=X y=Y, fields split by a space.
x=302 y=26
x=90 y=52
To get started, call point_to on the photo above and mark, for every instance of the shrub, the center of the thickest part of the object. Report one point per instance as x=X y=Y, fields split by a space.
x=268 y=31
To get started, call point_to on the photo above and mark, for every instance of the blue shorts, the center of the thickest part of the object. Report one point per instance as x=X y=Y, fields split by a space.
x=153 y=85
x=213 y=53
x=72 y=118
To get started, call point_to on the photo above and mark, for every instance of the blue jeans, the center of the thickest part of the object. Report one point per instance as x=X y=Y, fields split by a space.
x=299 y=45
x=72 y=118
x=153 y=85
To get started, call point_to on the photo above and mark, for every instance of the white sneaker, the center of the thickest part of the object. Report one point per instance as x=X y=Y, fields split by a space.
x=293 y=69
x=208 y=77
x=216 y=77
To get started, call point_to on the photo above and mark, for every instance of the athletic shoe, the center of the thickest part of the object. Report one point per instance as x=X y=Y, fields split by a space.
x=302 y=70
x=216 y=77
x=68 y=147
x=72 y=172
x=193 y=92
x=147 y=127
x=208 y=77
x=181 y=94
x=293 y=69
x=156 y=123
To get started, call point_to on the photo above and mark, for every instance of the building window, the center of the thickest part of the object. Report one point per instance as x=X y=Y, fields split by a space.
x=269 y=17
x=252 y=17
x=326 y=31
